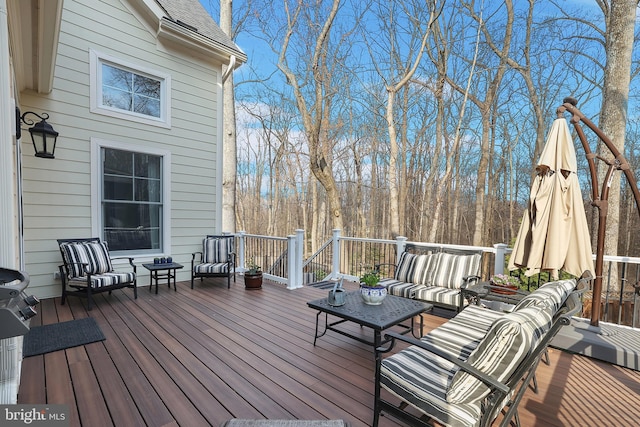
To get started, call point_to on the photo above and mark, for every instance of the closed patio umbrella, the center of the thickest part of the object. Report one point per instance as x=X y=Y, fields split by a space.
x=553 y=234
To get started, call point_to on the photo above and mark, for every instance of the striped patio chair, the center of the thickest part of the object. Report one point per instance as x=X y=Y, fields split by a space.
x=87 y=269
x=217 y=259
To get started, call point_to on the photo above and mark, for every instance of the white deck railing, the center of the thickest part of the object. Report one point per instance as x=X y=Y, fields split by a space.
x=281 y=259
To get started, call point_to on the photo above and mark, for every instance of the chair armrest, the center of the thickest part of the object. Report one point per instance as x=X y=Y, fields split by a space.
x=193 y=256
x=83 y=264
x=477 y=290
x=376 y=267
x=130 y=259
x=490 y=381
x=467 y=280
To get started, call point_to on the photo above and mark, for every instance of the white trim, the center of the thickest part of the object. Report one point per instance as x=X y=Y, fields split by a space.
x=8 y=254
x=219 y=149
x=96 y=189
x=96 y=58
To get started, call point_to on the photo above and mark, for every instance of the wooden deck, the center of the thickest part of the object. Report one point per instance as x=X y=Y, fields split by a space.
x=203 y=356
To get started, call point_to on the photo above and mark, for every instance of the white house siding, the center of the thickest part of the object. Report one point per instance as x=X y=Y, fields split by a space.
x=57 y=193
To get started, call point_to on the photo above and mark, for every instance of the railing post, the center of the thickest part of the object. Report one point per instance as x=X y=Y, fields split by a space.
x=335 y=270
x=241 y=250
x=292 y=281
x=401 y=243
x=501 y=252
x=299 y=257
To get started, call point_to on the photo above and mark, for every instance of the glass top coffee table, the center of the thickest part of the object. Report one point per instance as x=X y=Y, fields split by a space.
x=392 y=312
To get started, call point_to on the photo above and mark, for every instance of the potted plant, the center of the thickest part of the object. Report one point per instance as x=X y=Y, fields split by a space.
x=253 y=276
x=370 y=289
x=509 y=283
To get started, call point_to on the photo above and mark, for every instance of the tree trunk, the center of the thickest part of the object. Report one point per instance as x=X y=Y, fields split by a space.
x=613 y=115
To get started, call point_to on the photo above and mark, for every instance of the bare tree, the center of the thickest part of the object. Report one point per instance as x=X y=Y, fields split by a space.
x=618 y=38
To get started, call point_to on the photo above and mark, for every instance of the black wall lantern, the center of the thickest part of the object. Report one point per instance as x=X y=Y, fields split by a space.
x=42 y=133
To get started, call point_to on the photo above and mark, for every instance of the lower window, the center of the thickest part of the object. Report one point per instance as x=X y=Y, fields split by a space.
x=132 y=200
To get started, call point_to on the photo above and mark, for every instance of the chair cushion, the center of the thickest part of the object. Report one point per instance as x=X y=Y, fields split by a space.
x=552 y=293
x=414 y=268
x=98 y=254
x=216 y=249
x=211 y=268
x=106 y=279
x=510 y=339
x=94 y=254
x=74 y=255
x=452 y=269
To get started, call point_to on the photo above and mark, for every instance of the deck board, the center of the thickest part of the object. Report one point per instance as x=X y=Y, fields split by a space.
x=202 y=356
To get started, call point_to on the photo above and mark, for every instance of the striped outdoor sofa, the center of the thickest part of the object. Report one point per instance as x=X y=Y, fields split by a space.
x=87 y=269
x=435 y=277
x=464 y=372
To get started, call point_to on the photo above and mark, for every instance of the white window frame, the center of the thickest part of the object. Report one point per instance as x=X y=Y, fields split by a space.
x=96 y=59
x=97 y=145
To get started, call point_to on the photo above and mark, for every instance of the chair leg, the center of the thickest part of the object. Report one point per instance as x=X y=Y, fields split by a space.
x=64 y=293
x=135 y=289
x=89 y=299
x=192 y=280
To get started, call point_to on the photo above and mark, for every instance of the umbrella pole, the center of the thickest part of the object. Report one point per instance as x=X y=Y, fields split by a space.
x=619 y=163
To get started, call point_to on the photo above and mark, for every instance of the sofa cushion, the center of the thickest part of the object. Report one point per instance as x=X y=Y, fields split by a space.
x=399 y=288
x=461 y=335
x=438 y=295
x=421 y=378
x=508 y=341
x=452 y=269
x=553 y=294
x=414 y=268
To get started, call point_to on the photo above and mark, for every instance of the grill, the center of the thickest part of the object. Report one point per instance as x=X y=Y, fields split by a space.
x=16 y=307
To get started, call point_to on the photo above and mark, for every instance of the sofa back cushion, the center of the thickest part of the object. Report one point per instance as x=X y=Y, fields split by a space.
x=216 y=249
x=451 y=269
x=507 y=343
x=414 y=268
x=552 y=294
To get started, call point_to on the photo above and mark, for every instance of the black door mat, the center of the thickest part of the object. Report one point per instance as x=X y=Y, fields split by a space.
x=60 y=336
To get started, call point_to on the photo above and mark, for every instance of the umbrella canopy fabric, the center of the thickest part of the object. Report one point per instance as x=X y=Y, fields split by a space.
x=554 y=234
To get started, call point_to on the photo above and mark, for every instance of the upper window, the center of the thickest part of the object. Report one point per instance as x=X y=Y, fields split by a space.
x=124 y=90
x=129 y=91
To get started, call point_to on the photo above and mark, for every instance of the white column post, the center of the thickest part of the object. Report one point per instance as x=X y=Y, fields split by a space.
x=299 y=258
x=401 y=243
x=292 y=281
x=335 y=270
x=501 y=252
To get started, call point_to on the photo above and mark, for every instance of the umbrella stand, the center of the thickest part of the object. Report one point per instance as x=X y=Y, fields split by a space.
x=599 y=201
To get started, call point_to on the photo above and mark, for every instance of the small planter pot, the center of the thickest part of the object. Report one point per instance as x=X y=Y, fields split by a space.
x=504 y=289
x=252 y=281
x=373 y=295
